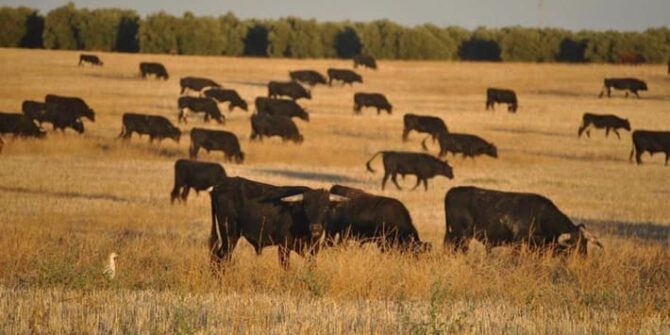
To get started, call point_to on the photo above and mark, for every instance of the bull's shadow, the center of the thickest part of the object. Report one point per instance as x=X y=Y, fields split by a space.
x=573 y=157
x=643 y=230
x=71 y=195
x=530 y=131
x=249 y=83
x=121 y=76
x=310 y=175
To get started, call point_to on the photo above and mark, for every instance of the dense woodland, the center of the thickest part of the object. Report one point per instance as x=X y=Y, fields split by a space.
x=71 y=28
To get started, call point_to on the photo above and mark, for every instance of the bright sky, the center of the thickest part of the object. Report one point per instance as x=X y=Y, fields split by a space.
x=571 y=14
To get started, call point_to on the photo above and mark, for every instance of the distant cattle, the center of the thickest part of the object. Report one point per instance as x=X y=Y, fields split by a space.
x=199 y=105
x=290 y=217
x=271 y=125
x=365 y=61
x=196 y=84
x=505 y=218
x=421 y=165
x=630 y=57
x=75 y=106
x=156 y=126
x=280 y=107
x=651 y=141
x=434 y=126
x=309 y=77
x=599 y=121
x=466 y=144
x=35 y=110
x=196 y=175
x=63 y=118
x=370 y=218
x=628 y=84
x=216 y=140
x=290 y=89
x=156 y=69
x=230 y=96
x=344 y=75
x=91 y=59
x=376 y=100
x=19 y=125
x=503 y=96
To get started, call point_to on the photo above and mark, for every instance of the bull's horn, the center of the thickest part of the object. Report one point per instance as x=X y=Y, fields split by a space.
x=338 y=198
x=293 y=198
x=563 y=239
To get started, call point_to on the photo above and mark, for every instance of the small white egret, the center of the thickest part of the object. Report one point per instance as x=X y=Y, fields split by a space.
x=110 y=267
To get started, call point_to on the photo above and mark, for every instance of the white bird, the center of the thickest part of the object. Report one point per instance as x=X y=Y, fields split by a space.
x=110 y=268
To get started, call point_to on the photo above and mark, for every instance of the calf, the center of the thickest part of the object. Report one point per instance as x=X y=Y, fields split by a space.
x=630 y=57
x=365 y=61
x=199 y=105
x=72 y=105
x=499 y=218
x=290 y=89
x=421 y=165
x=35 y=110
x=651 y=141
x=157 y=69
x=157 y=127
x=344 y=75
x=196 y=84
x=628 y=84
x=599 y=121
x=230 y=96
x=376 y=100
x=280 y=107
x=466 y=144
x=197 y=175
x=503 y=96
x=19 y=125
x=370 y=218
x=216 y=140
x=271 y=125
x=91 y=59
x=309 y=77
x=434 y=126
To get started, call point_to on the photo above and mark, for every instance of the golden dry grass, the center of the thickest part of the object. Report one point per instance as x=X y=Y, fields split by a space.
x=67 y=201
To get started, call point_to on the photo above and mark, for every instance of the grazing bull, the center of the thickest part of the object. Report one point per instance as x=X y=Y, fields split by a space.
x=157 y=127
x=19 y=125
x=599 y=121
x=503 y=96
x=292 y=218
x=73 y=105
x=434 y=126
x=628 y=84
x=62 y=118
x=421 y=165
x=309 y=77
x=651 y=141
x=290 y=89
x=91 y=59
x=498 y=218
x=344 y=75
x=196 y=84
x=280 y=107
x=199 y=105
x=466 y=144
x=271 y=125
x=230 y=96
x=216 y=140
x=365 y=61
x=631 y=57
x=376 y=100
x=35 y=110
x=370 y=218
x=196 y=175
x=157 y=69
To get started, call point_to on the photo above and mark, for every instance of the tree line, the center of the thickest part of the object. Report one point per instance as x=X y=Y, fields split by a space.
x=71 y=28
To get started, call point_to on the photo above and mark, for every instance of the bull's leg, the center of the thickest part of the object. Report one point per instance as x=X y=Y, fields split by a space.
x=618 y=136
x=184 y=193
x=357 y=109
x=418 y=182
x=581 y=129
x=378 y=111
x=405 y=133
x=626 y=94
x=637 y=95
x=384 y=179
x=425 y=184
x=174 y=194
x=607 y=131
x=206 y=117
x=667 y=156
x=193 y=152
x=284 y=254
x=395 y=181
x=638 y=154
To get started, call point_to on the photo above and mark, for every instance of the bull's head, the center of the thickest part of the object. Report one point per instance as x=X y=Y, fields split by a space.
x=447 y=171
x=78 y=126
x=298 y=138
x=243 y=104
x=316 y=207
x=491 y=150
x=626 y=124
x=308 y=94
x=358 y=78
x=578 y=239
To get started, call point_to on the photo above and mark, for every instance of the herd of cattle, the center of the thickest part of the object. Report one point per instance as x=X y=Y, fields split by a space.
x=303 y=219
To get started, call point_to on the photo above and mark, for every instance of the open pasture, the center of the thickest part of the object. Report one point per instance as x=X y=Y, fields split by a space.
x=67 y=201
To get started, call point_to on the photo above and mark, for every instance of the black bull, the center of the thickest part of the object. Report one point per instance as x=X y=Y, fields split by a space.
x=290 y=217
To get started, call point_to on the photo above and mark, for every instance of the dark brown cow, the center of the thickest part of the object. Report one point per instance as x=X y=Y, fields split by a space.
x=346 y=76
x=157 y=69
x=628 y=84
x=599 y=121
x=91 y=59
x=156 y=126
x=271 y=125
x=216 y=140
x=651 y=141
x=365 y=61
x=197 y=175
x=376 y=100
x=199 y=105
x=421 y=165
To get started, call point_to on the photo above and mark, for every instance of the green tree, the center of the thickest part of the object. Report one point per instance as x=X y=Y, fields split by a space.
x=234 y=31
x=158 y=34
x=61 y=28
x=20 y=27
x=199 y=35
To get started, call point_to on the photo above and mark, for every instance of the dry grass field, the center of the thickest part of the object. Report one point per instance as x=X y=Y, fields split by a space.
x=68 y=201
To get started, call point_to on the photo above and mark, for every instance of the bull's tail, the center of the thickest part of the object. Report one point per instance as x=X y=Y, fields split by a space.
x=215 y=239
x=123 y=131
x=632 y=152
x=585 y=124
x=370 y=161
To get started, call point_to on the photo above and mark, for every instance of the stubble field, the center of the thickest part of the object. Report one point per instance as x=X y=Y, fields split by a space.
x=68 y=201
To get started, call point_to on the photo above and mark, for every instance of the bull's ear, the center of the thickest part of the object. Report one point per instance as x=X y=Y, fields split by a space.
x=293 y=198
x=338 y=198
x=283 y=192
x=564 y=239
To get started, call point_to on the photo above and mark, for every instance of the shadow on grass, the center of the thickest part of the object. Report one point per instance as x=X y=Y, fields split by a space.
x=249 y=83
x=531 y=131
x=643 y=230
x=307 y=175
x=71 y=195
